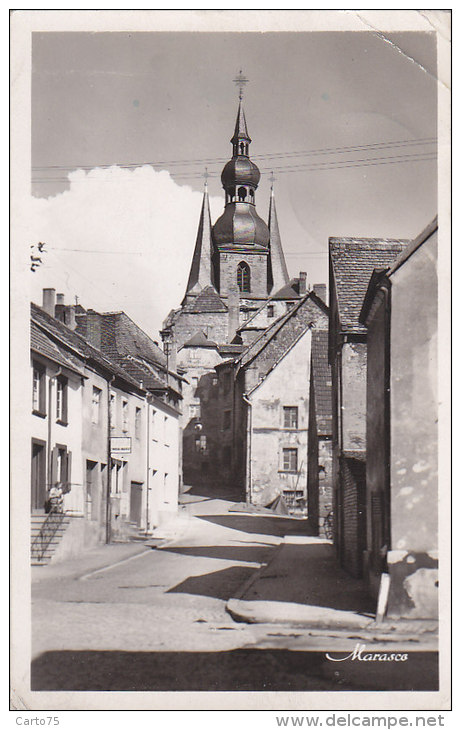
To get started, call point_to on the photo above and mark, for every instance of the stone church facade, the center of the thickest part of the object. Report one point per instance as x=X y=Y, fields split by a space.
x=238 y=285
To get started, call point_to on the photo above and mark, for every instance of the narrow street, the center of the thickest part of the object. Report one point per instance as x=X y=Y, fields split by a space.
x=156 y=620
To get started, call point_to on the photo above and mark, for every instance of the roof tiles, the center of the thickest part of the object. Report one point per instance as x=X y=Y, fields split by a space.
x=353 y=261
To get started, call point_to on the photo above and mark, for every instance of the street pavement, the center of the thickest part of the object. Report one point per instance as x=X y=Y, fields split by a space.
x=153 y=617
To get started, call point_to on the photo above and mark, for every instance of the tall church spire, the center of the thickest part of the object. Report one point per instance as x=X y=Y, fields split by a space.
x=278 y=272
x=201 y=270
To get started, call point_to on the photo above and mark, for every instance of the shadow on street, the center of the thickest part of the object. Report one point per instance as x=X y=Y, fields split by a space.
x=238 y=670
x=261 y=524
x=221 y=584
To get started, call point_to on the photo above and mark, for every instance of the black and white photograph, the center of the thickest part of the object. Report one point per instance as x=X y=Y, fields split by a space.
x=229 y=295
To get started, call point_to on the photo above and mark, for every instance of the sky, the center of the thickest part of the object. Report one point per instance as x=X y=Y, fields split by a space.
x=346 y=120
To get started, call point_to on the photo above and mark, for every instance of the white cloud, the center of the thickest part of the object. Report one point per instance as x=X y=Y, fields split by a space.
x=144 y=223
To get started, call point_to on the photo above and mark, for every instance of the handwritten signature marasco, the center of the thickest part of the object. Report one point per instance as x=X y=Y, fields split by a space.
x=362 y=655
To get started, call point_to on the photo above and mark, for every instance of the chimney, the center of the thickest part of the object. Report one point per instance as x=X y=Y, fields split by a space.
x=233 y=305
x=49 y=298
x=60 y=307
x=69 y=315
x=302 y=283
x=321 y=291
x=93 y=329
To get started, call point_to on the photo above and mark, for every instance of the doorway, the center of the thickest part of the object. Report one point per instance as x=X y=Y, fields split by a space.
x=38 y=476
x=136 y=503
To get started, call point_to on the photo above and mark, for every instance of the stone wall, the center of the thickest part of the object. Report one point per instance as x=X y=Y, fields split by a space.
x=257 y=262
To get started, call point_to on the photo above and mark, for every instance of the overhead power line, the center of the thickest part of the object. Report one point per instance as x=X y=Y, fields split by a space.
x=302 y=167
x=272 y=155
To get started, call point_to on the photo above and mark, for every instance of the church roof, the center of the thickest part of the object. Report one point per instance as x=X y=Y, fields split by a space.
x=353 y=262
x=200 y=340
x=201 y=270
x=278 y=267
x=207 y=301
x=240 y=131
x=288 y=291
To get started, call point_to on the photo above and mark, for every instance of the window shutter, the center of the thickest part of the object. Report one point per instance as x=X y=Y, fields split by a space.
x=65 y=387
x=68 y=481
x=54 y=466
x=42 y=391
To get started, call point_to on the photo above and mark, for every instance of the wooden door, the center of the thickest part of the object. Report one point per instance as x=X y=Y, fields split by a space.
x=38 y=476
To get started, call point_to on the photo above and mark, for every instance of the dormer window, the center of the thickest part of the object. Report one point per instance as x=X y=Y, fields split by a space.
x=243 y=277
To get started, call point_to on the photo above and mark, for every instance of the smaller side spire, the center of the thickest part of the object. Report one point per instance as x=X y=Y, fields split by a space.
x=278 y=272
x=201 y=271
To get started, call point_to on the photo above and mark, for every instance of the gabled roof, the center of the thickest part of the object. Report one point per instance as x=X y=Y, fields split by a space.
x=76 y=346
x=353 y=261
x=42 y=344
x=142 y=373
x=278 y=339
x=208 y=301
x=200 y=340
x=321 y=377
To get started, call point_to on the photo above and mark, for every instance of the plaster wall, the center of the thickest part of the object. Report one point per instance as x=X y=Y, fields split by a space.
x=413 y=560
x=286 y=385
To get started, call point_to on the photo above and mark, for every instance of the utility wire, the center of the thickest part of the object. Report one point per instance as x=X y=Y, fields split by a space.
x=307 y=167
x=272 y=155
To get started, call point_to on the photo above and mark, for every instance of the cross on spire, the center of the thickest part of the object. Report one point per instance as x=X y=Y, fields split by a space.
x=240 y=81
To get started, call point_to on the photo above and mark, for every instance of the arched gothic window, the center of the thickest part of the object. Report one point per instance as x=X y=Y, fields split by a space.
x=242 y=148
x=242 y=193
x=243 y=277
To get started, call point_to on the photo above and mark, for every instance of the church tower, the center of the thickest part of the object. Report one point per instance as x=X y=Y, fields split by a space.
x=241 y=238
x=238 y=263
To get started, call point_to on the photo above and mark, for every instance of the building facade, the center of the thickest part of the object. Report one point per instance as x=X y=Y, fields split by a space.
x=402 y=431
x=92 y=434
x=319 y=459
x=351 y=263
x=264 y=402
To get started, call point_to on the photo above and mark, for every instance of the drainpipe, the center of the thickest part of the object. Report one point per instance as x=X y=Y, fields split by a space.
x=50 y=390
x=248 y=454
x=109 y=464
x=147 y=465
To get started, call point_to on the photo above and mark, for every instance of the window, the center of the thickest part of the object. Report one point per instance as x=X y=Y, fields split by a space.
x=194 y=410
x=243 y=277
x=290 y=460
x=61 y=467
x=124 y=416
x=96 y=405
x=270 y=311
x=112 y=411
x=226 y=420
x=290 y=417
x=137 y=422
x=38 y=390
x=200 y=444
x=61 y=400
x=290 y=305
x=246 y=314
